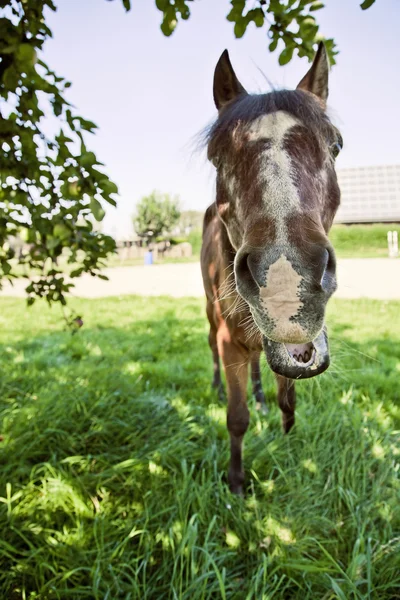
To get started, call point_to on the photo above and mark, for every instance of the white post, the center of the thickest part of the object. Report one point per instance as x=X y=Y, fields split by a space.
x=390 y=242
x=395 y=244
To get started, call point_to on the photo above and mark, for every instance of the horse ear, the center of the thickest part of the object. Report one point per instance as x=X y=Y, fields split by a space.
x=316 y=79
x=226 y=84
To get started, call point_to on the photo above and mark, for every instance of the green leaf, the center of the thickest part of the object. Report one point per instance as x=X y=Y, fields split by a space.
x=6 y=267
x=286 y=55
x=185 y=13
x=168 y=26
x=97 y=209
x=317 y=6
x=87 y=125
x=77 y=272
x=257 y=16
x=61 y=231
x=162 y=4
x=26 y=54
x=70 y=119
x=240 y=28
x=127 y=4
x=52 y=242
x=308 y=29
x=366 y=4
x=57 y=107
x=108 y=186
x=308 y=21
x=273 y=45
x=87 y=159
x=169 y=22
x=276 y=7
x=10 y=78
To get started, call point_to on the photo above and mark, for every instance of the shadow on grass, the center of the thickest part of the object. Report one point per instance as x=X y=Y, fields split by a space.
x=112 y=462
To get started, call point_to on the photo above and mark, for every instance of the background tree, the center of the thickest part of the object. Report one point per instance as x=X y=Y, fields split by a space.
x=156 y=214
x=191 y=219
x=52 y=187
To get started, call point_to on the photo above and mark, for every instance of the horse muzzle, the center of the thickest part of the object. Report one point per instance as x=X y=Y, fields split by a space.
x=298 y=361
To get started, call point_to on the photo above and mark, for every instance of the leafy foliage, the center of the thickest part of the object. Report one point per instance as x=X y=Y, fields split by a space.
x=291 y=24
x=51 y=187
x=156 y=214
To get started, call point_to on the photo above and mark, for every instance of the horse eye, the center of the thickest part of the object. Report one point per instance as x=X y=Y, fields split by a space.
x=335 y=149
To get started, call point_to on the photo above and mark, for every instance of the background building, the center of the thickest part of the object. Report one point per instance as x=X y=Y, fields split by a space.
x=369 y=194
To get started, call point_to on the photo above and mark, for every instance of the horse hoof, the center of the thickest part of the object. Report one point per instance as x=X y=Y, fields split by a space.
x=236 y=481
x=236 y=489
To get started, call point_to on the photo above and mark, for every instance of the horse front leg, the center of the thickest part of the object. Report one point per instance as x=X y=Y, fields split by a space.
x=212 y=340
x=286 y=401
x=258 y=393
x=235 y=360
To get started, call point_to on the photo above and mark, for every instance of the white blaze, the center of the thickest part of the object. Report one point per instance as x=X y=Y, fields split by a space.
x=281 y=197
x=281 y=299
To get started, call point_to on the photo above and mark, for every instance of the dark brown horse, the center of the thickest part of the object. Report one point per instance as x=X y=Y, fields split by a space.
x=268 y=267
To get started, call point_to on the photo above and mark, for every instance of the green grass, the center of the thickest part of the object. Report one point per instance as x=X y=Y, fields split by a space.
x=361 y=241
x=114 y=451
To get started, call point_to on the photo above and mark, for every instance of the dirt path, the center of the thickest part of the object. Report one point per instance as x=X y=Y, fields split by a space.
x=369 y=277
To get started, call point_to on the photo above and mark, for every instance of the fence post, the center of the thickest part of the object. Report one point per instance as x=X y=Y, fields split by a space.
x=393 y=244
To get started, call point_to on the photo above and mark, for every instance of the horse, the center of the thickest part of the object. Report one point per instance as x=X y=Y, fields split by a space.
x=267 y=264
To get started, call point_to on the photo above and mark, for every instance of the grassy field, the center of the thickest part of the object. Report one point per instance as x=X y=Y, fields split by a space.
x=354 y=241
x=349 y=241
x=361 y=241
x=114 y=450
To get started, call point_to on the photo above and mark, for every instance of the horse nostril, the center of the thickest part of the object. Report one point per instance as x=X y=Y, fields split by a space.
x=245 y=280
x=242 y=268
x=331 y=264
x=328 y=280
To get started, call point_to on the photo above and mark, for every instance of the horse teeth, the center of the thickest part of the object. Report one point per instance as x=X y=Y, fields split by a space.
x=306 y=356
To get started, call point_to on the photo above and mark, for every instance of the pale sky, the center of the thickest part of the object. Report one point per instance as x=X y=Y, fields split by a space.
x=151 y=95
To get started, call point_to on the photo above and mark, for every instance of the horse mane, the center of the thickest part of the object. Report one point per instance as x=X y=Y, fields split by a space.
x=248 y=107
